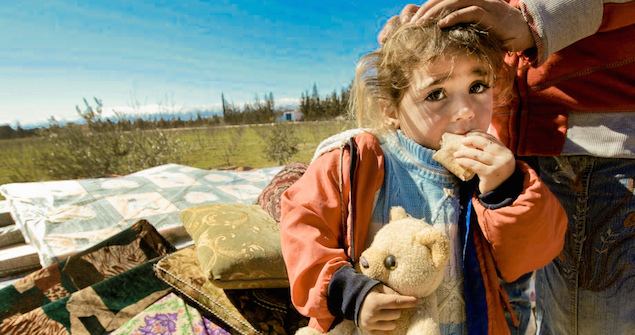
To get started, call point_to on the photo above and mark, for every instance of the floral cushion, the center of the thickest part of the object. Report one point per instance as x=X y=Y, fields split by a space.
x=238 y=245
x=246 y=311
x=269 y=199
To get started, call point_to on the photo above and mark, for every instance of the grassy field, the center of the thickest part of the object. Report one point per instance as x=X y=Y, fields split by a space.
x=207 y=148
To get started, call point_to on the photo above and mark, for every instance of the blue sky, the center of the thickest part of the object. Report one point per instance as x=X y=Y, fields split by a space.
x=179 y=54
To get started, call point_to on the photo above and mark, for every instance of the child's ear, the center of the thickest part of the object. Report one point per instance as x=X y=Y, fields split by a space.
x=389 y=110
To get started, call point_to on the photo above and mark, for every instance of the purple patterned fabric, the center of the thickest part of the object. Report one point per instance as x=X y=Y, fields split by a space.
x=159 y=324
x=170 y=316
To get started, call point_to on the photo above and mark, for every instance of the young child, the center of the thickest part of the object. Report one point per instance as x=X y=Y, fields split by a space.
x=422 y=83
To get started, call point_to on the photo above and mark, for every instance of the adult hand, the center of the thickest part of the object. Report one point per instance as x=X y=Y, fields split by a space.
x=501 y=19
x=487 y=157
x=405 y=16
x=381 y=308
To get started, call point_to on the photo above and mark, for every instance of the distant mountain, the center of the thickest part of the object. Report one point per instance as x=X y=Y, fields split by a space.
x=154 y=112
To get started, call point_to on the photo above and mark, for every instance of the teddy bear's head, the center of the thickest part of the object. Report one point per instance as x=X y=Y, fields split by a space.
x=407 y=254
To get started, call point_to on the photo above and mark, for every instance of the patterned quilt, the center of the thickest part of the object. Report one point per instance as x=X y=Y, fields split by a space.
x=61 y=218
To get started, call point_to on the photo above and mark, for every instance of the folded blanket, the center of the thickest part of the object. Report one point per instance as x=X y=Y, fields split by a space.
x=10 y=235
x=124 y=251
x=96 y=310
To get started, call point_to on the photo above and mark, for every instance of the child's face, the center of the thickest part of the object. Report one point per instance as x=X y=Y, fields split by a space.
x=450 y=95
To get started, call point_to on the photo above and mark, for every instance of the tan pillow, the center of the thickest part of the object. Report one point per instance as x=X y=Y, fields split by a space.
x=238 y=245
x=450 y=143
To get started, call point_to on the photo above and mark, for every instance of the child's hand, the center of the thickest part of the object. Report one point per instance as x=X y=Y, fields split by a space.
x=381 y=308
x=488 y=158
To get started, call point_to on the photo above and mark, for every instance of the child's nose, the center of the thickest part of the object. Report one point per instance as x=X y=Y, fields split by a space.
x=464 y=111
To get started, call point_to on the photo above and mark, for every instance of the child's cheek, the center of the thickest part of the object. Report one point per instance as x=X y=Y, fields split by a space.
x=483 y=113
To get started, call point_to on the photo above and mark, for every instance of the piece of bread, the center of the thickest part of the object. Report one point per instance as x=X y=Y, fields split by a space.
x=450 y=143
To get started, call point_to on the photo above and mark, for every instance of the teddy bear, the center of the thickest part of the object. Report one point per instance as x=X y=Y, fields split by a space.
x=409 y=256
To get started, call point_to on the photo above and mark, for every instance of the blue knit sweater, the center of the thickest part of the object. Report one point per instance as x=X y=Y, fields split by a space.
x=428 y=191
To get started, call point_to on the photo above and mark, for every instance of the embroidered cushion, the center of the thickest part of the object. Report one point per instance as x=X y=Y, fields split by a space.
x=238 y=245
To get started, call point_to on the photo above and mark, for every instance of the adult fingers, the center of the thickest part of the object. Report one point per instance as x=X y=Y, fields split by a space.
x=425 y=11
x=388 y=27
x=404 y=16
x=503 y=20
x=434 y=8
x=471 y=14
x=408 y=12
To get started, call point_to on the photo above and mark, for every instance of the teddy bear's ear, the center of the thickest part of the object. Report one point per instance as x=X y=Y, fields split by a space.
x=438 y=244
x=397 y=213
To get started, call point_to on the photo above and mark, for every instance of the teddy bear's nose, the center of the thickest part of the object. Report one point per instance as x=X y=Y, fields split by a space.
x=363 y=262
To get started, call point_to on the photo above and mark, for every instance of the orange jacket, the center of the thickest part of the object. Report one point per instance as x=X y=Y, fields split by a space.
x=512 y=240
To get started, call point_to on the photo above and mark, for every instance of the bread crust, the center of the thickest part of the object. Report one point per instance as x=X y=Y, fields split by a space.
x=450 y=143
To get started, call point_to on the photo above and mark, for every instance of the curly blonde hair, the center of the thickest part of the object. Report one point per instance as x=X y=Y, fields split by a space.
x=387 y=72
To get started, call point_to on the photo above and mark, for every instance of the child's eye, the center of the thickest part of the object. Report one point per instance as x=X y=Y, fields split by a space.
x=436 y=95
x=479 y=88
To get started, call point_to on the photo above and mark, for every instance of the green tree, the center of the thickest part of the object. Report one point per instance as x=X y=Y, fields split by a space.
x=281 y=142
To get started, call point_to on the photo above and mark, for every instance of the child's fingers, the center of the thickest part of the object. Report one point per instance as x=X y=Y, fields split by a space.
x=476 y=166
x=383 y=327
x=385 y=289
x=382 y=310
x=477 y=142
x=487 y=157
x=400 y=302
x=475 y=154
x=386 y=315
x=394 y=301
x=479 y=138
x=486 y=143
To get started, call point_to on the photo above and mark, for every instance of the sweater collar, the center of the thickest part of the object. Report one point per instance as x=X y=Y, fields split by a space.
x=416 y=157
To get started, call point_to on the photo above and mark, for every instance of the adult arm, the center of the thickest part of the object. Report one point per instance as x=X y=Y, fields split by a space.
x=556 y=24
x=547 y=25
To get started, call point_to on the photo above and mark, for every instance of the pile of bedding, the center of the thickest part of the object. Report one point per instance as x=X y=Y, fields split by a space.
x=112 y=255
x=168 y=250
